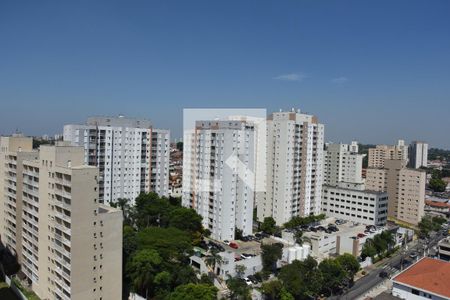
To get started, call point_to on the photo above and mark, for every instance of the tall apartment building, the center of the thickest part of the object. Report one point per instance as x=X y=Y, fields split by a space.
x=405 y=188
x=380 y=153
x=69 y=246
x=294 y=157
x=219 y=159
x=344 y=194
x=132 y=156
x=418 y=154
x=343 y=164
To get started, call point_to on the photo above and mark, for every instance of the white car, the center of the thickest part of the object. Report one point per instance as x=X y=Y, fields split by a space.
x=248 y=281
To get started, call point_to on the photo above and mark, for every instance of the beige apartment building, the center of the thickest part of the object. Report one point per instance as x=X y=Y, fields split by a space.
x=69 y=246
x=380 y=153
x=295 y=143
x=405 y=188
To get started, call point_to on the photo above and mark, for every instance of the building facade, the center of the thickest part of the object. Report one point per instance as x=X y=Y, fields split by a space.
x=131 y=155
x=405 y=188
x=219 y=175
x=380 y=153
x=69 y=246
x=418 y=155
x=294 y=160
x=355 y=204
x=343 y=164
x=426 y=279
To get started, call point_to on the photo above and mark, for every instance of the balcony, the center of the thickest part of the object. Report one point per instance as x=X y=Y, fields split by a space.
x=62 y=284
x=63 y=228
x=63 y=216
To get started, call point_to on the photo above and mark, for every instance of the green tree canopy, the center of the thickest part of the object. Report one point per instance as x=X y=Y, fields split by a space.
x=349 y=263
x=333 y=275
x=301 y=279
x=185 y=219
x=270 y=254
x=239 y=290
x=144 y=265
x=194 y=292
x=171 y=243
x=268 y=225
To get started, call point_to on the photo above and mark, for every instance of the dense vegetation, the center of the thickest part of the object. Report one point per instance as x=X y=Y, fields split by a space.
x=436 y=183
x=429 y=224
x=439 y=154
x=308 y=279
x=158 y=238
x=379 y=246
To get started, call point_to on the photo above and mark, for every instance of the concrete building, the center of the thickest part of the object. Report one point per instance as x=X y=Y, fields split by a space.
x=344 y=194
x=295 y=144
x=343 y=164
x=380 y=153
x=405 y=188
x=132 y=156
x=418 y=155
x=69 y=246
x=219 y=175
x=426 y=279
x=444 y=249
x=350 y=238
x=353 y=203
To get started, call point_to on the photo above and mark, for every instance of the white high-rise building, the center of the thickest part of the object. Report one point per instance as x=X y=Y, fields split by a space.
x=69 y=246
x=219 y=163
x=418 y=154
x=132 y=156
x=344 y=193
x=343 y=164
x=294 y=179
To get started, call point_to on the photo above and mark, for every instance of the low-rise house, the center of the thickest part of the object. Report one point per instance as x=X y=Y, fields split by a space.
x=427 y=279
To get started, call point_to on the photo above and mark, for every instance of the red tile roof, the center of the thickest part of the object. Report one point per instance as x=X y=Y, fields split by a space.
x=436 y=203
x=428 y=274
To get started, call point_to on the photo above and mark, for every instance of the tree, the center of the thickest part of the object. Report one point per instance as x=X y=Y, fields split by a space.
x=268 y=225
x=437 y=185
x=301 y=279
x=300 y=239
x=240 y=270
x=295 y=222
x=129 y=241
x=238 y=233
x=333 y=275
x=171 y=243
x=180 y=146
x=185 y=219
x=239 y=290
x=144 y=265
x=272 y=289
x=270 y=254
x=194 y=292
x=350 y=265
x=368 y=250
x=213 y=259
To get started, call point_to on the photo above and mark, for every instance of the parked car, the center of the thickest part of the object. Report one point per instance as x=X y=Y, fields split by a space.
x=248 y=281
x=233 y=245
x=226 y=242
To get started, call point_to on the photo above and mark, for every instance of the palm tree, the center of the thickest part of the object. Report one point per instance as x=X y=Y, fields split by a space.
x=300 y=239
x=213 y=259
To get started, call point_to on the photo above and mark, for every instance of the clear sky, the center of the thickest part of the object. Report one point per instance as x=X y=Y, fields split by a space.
x=374 y=71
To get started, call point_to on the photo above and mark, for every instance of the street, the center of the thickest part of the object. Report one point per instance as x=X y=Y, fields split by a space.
x=392 y=266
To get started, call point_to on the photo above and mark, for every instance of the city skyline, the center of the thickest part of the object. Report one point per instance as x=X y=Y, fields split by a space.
x=358 y=67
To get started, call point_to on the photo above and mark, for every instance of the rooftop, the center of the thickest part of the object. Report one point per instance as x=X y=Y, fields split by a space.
x=431 y=275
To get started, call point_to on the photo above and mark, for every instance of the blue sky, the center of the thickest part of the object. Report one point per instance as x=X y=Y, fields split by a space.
x=374 y=71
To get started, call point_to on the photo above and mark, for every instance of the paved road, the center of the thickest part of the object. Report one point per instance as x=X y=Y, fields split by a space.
x=391 y=266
